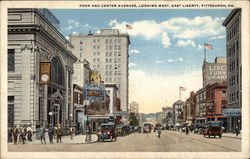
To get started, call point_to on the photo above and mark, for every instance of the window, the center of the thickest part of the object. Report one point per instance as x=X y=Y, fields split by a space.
x=110 y=53
x=115 y=60
x=110 y=41
x=110 y=66
x=81 y=55
x=115 y=53
x=119 y=47
x=119 y=53
x=119 y=72
x=98 y=60
x=94 y=60
x=98 y=53
x=78 y=97
x=110 y=73
x=94 y=53
x=223 y=93
x=98 y=40
x=115 y=41
x=110 y=60
x=119 y=60
x=106 y=79
x=110 y=79
x=115 y=72
x=106 y=41
x=110 y=47
x=106 y=60
x=106 y=73
x=115 y=66
x=106 y=54
x=94 y=47
x=115 y=47
x=94 y=40
x=11 y=60
x=57 y=71
x=98 y=47
x=81 y=48
x=119 y=41
x=94 y=67
x=98 y=66
x=107 y=47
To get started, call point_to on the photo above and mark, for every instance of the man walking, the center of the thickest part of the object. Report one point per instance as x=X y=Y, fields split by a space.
x=22 y=134
x=15 y=134
x=30 y=133
x=42 y=135
x=187 y=130
x=59 y=133
x=51 y=133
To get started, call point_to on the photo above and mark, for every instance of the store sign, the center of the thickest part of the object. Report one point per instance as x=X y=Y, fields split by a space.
x=231 y=112
x=94 y=92
x=44 y=72
x=217 y=71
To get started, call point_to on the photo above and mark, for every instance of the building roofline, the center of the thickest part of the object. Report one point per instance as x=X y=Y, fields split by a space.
x=230 y=16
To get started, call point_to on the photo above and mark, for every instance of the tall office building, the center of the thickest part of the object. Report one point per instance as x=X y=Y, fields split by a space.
x=107 y=53
x=234 y=77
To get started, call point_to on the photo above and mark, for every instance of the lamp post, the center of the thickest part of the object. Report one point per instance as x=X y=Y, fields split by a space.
x=71 y=129
x=88 y=132
x=51 y=118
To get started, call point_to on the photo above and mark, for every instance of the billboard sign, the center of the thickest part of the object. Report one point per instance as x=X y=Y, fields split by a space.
x=94 y=92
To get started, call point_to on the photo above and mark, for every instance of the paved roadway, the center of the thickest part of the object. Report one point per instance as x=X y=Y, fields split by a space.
x=170 y=141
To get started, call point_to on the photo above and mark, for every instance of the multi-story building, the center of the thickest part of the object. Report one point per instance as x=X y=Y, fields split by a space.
x=190 y=108
x=40 y=68
x=178 y=112
x=82 y=72
x=200 y=117
x=134 y=107
x=216 y=101
x=168 y=117
x=107 y=53
x=214 y=72
x=234 y=72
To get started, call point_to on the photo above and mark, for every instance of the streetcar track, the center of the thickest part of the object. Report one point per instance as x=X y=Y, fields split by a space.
x=208 y=143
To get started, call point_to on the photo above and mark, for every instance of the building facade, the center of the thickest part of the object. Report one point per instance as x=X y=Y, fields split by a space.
x=178 y=112
x=234 y=72
x=214 y=72
x=35 y=46
x=200 y=111
x=134 y=107
x=107 y=53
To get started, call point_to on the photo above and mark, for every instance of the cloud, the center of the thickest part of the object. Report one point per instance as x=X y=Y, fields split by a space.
x=72 y=24
x=178 y=28
x=183 y=43
x=165 y=40
x=131 y=64
x=158 y=61
x=134 y=51
x=152 y=95
x=180 y=59
x=218 y=37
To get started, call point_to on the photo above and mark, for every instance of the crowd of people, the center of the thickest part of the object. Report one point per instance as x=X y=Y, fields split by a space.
x=25 y=134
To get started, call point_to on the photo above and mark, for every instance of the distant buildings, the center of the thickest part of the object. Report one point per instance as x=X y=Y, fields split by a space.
x=134 y=108
x=234 y=72
x=178 y=112
x=107 y=53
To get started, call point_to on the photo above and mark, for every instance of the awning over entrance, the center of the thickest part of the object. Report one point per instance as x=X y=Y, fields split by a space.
x=94 y=117
x=231 y=112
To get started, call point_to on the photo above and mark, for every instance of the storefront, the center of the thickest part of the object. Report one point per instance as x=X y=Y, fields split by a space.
x=233 y=119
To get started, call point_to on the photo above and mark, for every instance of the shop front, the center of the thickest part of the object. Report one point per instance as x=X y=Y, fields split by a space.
x=233 y=119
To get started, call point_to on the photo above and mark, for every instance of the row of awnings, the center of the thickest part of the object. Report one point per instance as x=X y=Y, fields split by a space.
x=232 y=112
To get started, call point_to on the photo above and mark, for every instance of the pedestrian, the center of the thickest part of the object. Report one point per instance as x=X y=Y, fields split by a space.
x=42 y=135
x=71 y=132
x=59 y=132
x=22 y=135
x=10 y=135
x=51 y=132
x=187 y=130
x=15 y=134
x=30 y=133
x=159 y=132
x=237 y=131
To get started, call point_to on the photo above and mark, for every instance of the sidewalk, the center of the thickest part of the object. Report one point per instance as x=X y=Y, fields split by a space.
x=232 y=135
x=78 y=139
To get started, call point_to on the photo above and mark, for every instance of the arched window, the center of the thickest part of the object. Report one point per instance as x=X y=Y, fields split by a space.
x=57 y=75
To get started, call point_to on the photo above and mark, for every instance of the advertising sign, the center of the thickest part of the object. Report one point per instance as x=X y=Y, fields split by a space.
x=94 y=92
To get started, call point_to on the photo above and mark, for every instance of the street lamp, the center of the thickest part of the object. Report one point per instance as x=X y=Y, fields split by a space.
x=71 y=129
x=88 y=133
x=51 y=118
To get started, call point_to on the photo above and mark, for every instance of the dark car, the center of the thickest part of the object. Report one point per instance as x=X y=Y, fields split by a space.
x=214 y=128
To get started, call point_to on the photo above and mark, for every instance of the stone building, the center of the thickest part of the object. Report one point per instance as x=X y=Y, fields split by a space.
x=107 y=53
x=234 y=72
x=40 y=68
x=178 y=112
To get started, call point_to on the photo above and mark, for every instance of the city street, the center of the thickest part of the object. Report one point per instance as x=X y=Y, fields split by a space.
x=170 y=141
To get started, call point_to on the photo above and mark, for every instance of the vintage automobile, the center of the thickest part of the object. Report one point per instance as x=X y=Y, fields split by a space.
x=213 y=128
x=147 y=128
x=107 y=132
x=199 y=128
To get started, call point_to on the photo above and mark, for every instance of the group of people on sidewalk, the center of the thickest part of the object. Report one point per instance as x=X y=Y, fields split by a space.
x=25 y=133
x=22 y=134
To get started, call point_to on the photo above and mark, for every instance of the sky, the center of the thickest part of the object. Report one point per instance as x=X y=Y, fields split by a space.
x=166 y=50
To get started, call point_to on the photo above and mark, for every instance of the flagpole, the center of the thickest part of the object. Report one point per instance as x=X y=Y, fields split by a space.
x=205 y=55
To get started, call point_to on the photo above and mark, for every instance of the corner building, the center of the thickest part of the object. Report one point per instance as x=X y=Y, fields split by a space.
x=107 y=53
x=33 y=38
x=234 y=72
